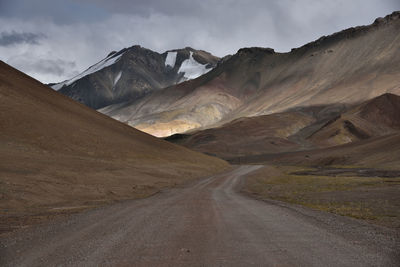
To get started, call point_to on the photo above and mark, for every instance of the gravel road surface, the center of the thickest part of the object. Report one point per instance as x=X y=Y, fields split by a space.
x=207 y=223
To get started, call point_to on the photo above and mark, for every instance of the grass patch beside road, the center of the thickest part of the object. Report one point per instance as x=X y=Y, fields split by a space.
x=373 y=199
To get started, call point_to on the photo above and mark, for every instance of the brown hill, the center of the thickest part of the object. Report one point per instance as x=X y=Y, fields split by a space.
x=378 y=152
x=59 y=155
x=377 y=117
x=299 y=129
x=383 y=110
x=348 y=67
x=248 y=136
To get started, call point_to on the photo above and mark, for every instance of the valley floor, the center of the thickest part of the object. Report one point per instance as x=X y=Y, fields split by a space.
x=206 y=223
x=370 y=194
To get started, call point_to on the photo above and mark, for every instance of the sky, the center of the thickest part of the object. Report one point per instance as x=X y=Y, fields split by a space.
x=54 y=40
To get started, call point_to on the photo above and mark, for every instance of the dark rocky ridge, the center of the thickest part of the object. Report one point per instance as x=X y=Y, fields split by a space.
x=138 y=72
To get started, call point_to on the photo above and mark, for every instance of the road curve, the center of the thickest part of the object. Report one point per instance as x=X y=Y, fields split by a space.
x=205 y=224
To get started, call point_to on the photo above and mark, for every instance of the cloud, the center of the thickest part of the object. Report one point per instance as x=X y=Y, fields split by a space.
x=57 y=11
x=13 y=38
x=56 y=67
x=52 y=68
x=85 y=31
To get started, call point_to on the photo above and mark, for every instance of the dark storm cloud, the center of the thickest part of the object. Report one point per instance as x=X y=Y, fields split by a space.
x=170 y=8
x=85 y=31
x=59 y=11
x=13 y=37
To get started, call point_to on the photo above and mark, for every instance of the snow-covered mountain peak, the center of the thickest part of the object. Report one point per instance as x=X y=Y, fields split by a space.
x=192 y=69
x=108 y=61
x=134 y=72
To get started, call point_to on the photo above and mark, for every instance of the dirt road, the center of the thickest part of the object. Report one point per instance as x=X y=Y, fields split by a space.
x=205 y=224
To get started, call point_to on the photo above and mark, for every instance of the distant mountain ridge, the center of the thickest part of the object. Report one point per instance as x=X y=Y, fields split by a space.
x=133 y=72
x=348 y=67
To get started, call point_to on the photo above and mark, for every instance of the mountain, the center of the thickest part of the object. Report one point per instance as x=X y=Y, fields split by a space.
x=378 y=152
x=298 y=129
x=248 y=136
x=377 y=117
x=134 y=72
x=58 y=155
x=345 y=68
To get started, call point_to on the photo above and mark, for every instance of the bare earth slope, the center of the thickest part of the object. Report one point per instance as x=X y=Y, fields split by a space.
x=299 y=129
x=348 y=67
x=379 y=152
x=377 y=117
x=205 y=224
x=58 y=155
x=248 y=136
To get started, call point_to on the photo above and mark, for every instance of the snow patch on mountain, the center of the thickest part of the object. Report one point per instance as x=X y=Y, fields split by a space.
x=171 y=59
x=192 y=69
x=96 y=67
x=116 y=79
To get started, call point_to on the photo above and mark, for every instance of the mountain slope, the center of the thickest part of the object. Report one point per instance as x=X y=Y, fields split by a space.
x=378 y=152
x=298 y=129
x=348 y=67
x=377 y=117
x=248 y=136
x=134 y=72
x=58 y=155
